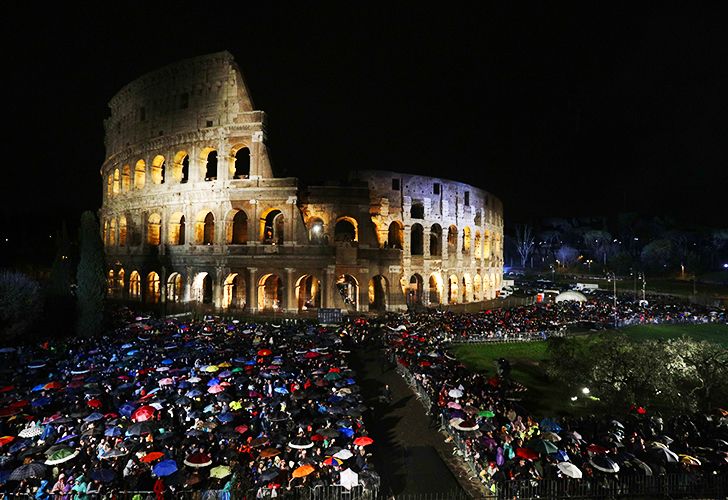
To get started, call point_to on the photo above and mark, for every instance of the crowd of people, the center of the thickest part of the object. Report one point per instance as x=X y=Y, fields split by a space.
x=506 y=443
x=172 y=405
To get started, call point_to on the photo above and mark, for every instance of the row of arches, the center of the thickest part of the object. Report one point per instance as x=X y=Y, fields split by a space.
x=126 y=178
x=479 y=246
x=454 y=290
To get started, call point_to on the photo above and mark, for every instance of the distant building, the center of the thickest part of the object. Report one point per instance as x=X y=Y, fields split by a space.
x=193 y=214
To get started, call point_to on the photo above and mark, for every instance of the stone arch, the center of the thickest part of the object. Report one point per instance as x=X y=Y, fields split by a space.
x=348 y=288
x=467 y=240
x=395 y=235
x=487 y=244
x=125 y=179
x=181 y=167
x=436 y=241
x=120 y=280
x=158 y=169
x=140 y=174
x=122 y=230
x=435 y=288
x=112 y=232
x=208 y=164
x=478 y=246
x=154 y=294
x=467 y=290
x=236 y=227
x=135 y=286
x=270 y=292
x=346 y=229
x=415 y=287
x=110 y=283
x=233 y=292
x=308 y=292
x=316 y=230
x=378 y=293
x=110 y=185
x=175 y=292
x=176 y=229
x=452 y=290
x=477 y=288
x=416 y=241
x=241 y=167
x=117 y=176
x=272 y=224
x=154 y=225
x=452 y=240
x=202 y=288
x=205 y=228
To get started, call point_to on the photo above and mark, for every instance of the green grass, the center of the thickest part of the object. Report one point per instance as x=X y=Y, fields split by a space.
x=549 y=398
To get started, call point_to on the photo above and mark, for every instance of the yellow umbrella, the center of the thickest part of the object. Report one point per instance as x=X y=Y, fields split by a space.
x=225 y=364
x=303 y=470
x=236 y=405
x=687 y=459
x=220 y=471
x=212 y=368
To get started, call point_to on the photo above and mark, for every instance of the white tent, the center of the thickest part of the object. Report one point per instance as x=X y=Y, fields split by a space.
x=570 y=295
x=349 y=478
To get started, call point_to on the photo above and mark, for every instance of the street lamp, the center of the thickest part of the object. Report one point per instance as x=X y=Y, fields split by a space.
x=613 y=278
x=585 y=391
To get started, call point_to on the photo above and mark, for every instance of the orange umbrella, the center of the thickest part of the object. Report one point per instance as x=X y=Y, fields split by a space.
x=6 y=439
x=152 y=456
x=363 y=441
x=269 y=452
x=303 y=470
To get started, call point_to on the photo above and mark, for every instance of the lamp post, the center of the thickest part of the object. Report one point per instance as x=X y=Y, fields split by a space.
x=613 y=278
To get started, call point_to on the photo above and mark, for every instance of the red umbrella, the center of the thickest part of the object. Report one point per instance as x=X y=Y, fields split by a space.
x=52 y=385
x=8 y=411
x=527 y=453
x=6 y=439
x=19 y=404
x=265 y=352
x=311 y=355
x=94 y=403
x=7 y=388
x=198 y=460
x=363 y=441
x=595 y=448
x=143 y=413
x=152 y=456
x=317 y=437
x=241 y=429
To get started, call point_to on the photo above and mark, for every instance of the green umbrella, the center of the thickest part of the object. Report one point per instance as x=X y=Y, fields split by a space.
x=542 y=446
x=332 y=376
x=220 y=471
x=61 y=456
x=486 y=413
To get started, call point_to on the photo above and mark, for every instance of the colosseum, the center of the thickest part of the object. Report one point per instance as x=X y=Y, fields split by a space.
x=194 y=215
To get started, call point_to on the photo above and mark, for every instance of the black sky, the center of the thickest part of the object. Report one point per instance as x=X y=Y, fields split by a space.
x=559 y=110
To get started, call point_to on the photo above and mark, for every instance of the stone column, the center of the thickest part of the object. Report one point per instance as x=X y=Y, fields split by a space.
x=426 y=242
x=223 y=162
x=291 y=304
x=187 y=297
x=363 y=291
x=217 y=287
x=251 y=290
x=329 y=288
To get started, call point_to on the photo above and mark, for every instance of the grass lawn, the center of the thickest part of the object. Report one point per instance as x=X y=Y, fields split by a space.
x=545 y=397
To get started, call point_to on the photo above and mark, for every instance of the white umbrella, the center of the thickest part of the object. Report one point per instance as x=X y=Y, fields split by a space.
x=343 y=454
x=349 y=478
x=604 y=464
x=465 y=425
x=30 y=432
x=455 y=393
x=569 y=469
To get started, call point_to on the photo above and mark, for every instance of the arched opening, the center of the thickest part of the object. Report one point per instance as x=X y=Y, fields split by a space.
x=417 y=211
x=242 y=163
x=135 y=286
x=477 y=288
x=112 y=232
x=435 y=288
x=308 y=292
x=209 y=160
x=346 y=230
x=120 y=280
x=126 y=178
x=395 y=235
x=466 y=241
x=110 y=185
x=416 y=237
x=205 y=229
x=122 y=231
x=105 y=233
x=467 y=288
x=181 y=167
x=153 y=289
x=140 y=174
x=158 y=169
x=233 y=292
x=487 y=245
x=174 y=288
x=202 y=288
x=435 y=241
x=110 y=283
x=452 y=241
x=316 y=232
x=270 y=292
x=414 y=291
x=272 y=225
x=378 y=293
x=452 y=290
x=348 y=288
x=237 y=228
x=154 y=224
x=177 y=229
x=478 y=245
x=116 y=181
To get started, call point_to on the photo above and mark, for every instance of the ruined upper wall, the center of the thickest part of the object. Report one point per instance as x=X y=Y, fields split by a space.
x=190 y=95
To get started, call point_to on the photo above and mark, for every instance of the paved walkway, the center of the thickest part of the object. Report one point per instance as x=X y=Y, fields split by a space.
x=411 y=456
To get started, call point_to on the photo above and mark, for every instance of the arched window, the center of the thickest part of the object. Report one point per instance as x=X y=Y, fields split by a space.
x=181 y=167
x=174 y=288
x=202 y=288
x=346 y=229
x=158 y=169
x=105 y=233
x=452 y=290
x=110 y=283
x=135 y=286
x=478 y=245
x=417 y=211
x=210 y=162
x=270 y=292
x=308 y=292
x=208 y=229
x=237 y=228
x=395 y=235
x=125 y=178
x=435 y=289
x=110 y=185
x=477 y=288
x=378 y=293
x=153 y=290
x=348 y=289
x=452 y=241
x=120 y=280
x=233 y=292
x=414 y=291
x=154 y=224
x=177 y=229
x=416 y=237
x=122 y=231
x=140 y=174
x=316 y=233
x=116 y=181
x=466 y=241
x=242 y=163
x=272 y=227
x=435 y=241
x=112 y=232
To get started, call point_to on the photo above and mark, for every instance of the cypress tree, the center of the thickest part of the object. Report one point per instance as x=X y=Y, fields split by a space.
x=90 y=278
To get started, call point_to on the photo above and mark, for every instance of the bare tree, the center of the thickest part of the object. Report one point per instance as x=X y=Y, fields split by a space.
x=524 y=242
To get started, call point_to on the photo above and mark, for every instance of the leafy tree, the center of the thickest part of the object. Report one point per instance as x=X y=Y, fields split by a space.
x=567 y=255
x=61 y=277
x=656 y=254
x=20 y=304
x=90 y=278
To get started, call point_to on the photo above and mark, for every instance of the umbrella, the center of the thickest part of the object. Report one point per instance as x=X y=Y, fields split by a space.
x=198 y=460
x=542 y=446
x=93 y=417
x=465 y=425
x=61 y=456
x=152 y=456
x=67 y=437
x=269 y=474
x=143 y=413
x=333 y=461
x=30 y=432
x=569 y=470
x=527 y=453
x=363 y=441
x=269 y=452
x=348 y=479
x=604 y=464
x=303 y=470
x=551 y=436
x=549 y=425
x=41 y=402
x=139 y=429
x=343 y=454
x=300 y=443
x=687 y=459
x=241 y=429
x=663 y=454
x=486 y=413
x=455 y=393
x=113 y=432
x=220 y=471
x=27 y=471
x=165 y=468
x=114 y=453
x=103 y=475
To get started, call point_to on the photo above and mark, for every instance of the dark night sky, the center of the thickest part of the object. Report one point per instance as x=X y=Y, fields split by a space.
x=570 y=111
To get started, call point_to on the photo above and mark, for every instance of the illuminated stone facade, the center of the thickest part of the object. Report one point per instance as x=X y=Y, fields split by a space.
x=192 y=213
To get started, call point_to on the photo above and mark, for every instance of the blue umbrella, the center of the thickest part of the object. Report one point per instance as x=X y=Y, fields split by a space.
x=350 y=381
x=126 y=346
x=193 y=393
x=225 y=417
x=127 y=409
x=103 y=475
x=38 y=387
x=67 y=438
x=561 y=456
x=41 y=402
x=93 y=417
x=18 y=445
x=346 y=431
x=132 y=352
x=250 y=362
x=184 y=385
x=213 y=381
x=281 y=390
x=549 y=425
x=167 y=361
x=165 y=468
x=112 y=432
